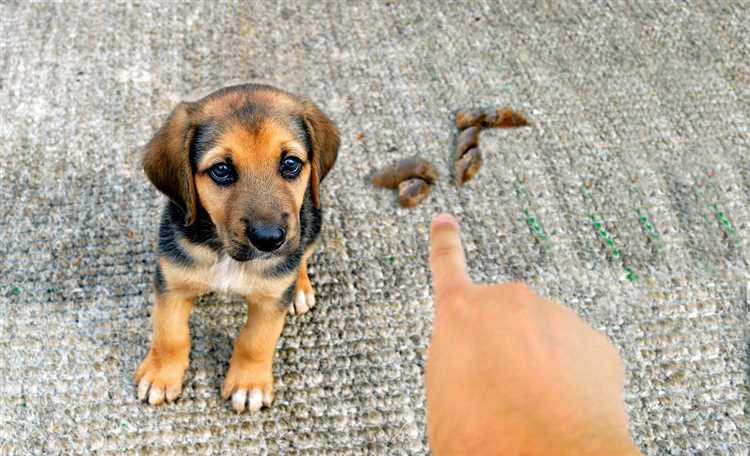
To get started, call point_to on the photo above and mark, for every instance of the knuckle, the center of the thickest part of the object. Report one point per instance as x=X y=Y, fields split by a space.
x=452 y=305
x=454 y=296
x=442 y=251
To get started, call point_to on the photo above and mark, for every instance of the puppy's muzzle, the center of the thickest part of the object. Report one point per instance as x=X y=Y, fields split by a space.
x=266 y=238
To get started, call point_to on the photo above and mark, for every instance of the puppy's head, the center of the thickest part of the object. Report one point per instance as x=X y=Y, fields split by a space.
x=248 y=157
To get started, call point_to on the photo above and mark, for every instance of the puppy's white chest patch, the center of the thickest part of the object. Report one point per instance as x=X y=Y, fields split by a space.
x=229 y=275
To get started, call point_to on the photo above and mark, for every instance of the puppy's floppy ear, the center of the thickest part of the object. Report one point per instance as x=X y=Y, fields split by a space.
x=166 y=160
x=324 y=137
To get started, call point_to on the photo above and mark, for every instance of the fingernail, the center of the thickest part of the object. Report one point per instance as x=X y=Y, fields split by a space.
x=443 y=220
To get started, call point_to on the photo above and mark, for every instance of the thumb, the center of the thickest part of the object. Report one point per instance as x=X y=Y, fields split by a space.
x=447 y=255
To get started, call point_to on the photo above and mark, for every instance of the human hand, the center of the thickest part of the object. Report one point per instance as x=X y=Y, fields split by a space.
x=509 y=372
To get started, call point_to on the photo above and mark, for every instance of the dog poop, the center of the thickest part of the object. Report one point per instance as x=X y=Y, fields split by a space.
x=467 y=166
x=467 y=139
x=503 y=118
x=413 y=177
x=466 y=119
x=411 y=192
x=467 y=159
x=408 y=168
x=498 y=117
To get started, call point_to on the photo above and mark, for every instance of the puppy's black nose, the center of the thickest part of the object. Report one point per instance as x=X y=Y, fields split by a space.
x=267 y=238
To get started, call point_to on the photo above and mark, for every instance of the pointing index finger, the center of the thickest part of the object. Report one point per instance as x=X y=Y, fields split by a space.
x=447 y=258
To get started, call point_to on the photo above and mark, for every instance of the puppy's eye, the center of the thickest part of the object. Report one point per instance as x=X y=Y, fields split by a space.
x=290 y=167
x=222 y=174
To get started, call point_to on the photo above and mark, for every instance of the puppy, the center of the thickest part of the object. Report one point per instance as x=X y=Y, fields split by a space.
x=242 y=169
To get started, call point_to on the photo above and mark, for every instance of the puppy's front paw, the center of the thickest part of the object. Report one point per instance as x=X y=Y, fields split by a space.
x=304 y=295
x=302 y=302
x=160 y=379
x=250 y=385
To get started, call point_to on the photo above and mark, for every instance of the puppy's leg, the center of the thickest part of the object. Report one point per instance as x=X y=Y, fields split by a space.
x=161 y=373
x=249 y=380
x=304 y=294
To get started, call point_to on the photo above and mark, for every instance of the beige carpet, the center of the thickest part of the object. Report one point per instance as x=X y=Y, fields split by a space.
x=627 y=200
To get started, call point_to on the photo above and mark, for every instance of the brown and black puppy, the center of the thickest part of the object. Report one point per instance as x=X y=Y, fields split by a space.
x=242 y=169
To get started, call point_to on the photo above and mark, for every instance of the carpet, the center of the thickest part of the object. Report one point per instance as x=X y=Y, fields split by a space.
x=626 y=200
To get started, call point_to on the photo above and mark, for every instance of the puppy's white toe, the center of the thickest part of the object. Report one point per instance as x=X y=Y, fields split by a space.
x=173 y=392
x=255 y=400
x=267 y=399
x=143 y=387
x=238 y=400
x=310 y=300
x=155 y=395
x=300 y=302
